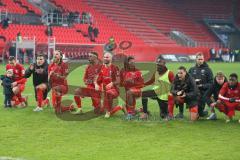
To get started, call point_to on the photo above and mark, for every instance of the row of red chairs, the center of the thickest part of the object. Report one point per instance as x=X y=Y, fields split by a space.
x=14 y=7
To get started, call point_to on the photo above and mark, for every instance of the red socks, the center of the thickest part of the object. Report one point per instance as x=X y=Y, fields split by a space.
x=78 y=101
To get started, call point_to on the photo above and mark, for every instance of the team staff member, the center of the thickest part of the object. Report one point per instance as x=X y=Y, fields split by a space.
x=204 y=79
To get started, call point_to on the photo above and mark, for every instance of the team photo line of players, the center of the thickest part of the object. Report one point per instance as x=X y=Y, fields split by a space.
x=195 y=87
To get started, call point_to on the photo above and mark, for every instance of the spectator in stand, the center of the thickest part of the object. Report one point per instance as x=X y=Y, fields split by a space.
x=95 y=32
x=83 y=17
x=5 y=23
x=29 y=53
x=212 y=54
x=12 y=50
x=19 y=37
x=91 y=33
x=231 y=55
x=49 y=31
x=219 y=55
x=237 y=54
x=21 y=55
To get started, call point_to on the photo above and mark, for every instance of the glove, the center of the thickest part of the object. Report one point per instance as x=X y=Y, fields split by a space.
x=232 y=100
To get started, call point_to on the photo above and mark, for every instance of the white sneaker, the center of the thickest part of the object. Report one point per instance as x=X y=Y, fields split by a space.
x=213 y=116
x=107 y=115
x=37 y=109
x=228 y=120
x=239 y=121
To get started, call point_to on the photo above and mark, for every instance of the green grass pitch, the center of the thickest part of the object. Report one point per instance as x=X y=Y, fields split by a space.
x=44 y=136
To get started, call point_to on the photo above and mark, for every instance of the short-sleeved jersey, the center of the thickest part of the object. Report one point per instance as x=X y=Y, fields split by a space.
x=62 y=70
x=107 y=75
x=91 y=73
x=18 y=71
x=131 y=79
x=229 y=92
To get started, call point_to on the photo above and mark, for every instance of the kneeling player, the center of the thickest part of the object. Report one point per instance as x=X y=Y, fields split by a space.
x=132 y=80
x=40 y=81
x=213 y=92
x=57 y=73
x=184 y=90
x=108 y=81
x=159 y=89
x=89 y=78
x=19 y=81
x=229 y=97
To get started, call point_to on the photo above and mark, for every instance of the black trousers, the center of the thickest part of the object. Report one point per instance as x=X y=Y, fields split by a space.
x=163 y=105
x=201 y=105
x=7 y=100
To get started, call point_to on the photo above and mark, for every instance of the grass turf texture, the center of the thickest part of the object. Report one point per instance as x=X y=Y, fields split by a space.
x=44 y=136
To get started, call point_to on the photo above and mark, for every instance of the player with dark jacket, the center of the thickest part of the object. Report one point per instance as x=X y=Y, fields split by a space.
x=184 y=90
x=39 y=70
x=7 y=81
x=213 y=92
x=204 y=79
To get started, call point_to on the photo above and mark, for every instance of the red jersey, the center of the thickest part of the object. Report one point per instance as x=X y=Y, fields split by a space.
x=91 y=73
x=107 y=75
x=18 y=72
x=227 y=92
x=131 y=79
x=62 y=70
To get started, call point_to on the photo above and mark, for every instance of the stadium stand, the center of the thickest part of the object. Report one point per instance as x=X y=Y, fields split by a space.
x=146 y=24
x=132 y=23
x=197 y=10
x=19 y=7
x=105 y=25
x=161 y=15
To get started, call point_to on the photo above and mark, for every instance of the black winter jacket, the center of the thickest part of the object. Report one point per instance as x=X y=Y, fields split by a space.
x=40 y=74
x=189 y=87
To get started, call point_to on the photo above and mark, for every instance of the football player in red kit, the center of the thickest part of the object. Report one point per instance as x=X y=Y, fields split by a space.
x=132 y=80
x=89 y=78
x=57 y=73
x=229 y=97
x=19 y=81
x=108 y=80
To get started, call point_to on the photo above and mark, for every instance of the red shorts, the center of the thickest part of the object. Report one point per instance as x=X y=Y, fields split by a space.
x=89 y=92
x=63 y=89
x=193 y=109
x=136 y=92
x=228 y=108
x=113 y=93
